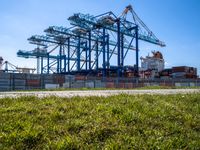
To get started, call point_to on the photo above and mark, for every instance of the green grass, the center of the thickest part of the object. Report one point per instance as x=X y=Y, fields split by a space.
x=116 y=122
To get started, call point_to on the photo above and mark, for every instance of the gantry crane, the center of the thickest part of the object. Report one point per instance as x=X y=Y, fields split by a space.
x=1 y=62
x=9 y=67
x=90 y=41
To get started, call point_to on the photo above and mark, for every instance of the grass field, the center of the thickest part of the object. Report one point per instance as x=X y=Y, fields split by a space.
x=116 y=122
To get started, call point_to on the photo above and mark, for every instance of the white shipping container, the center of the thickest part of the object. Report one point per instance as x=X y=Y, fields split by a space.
x=154 y=84
x=192 y=84
x=66 y=85
x=100 y=84
x=185 y=84
x=51 y=86
x=178 y=84
x=89 y=84
x=78 y=84
x=146 y=84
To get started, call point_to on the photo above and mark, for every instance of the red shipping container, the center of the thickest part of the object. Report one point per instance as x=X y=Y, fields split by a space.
x=180 y=69
x=120 y=85
x=33 y=82
x=80 y=77
x=128 y=85
x=110 y=85
x=59 y=79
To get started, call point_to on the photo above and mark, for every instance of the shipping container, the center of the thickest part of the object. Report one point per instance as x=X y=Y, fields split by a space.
x=89 y=84
x=4 y=75
x=69 y=77
x=48 y=81
x=78 y=77
x=4 y=88
x=33 y=87
x=52 y=86
x=180 y=69
x=47 y=77
x=5 y=82
x=189 y=72
x=59 y=80
x=154 y=84
x=128 y=85
x=34 y=76
x=78 y=84
x=33 y=82
x=192 y=84
x=66 y=85
x=110 y=85
x=120 y=85
x=19 y=87
x=178 y=84
x=179 y=75
x=147 y=84
x=19 y=76
x=18 y=82
x=99 y=84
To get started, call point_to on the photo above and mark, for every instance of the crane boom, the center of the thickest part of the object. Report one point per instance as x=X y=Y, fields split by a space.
x=90 y=22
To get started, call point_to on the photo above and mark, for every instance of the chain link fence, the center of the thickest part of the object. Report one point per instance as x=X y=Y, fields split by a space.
x=11 y=82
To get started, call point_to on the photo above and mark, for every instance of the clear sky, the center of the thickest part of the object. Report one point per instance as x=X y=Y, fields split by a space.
x=176 y=22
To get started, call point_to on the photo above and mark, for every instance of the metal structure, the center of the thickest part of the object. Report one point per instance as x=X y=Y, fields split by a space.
x=93 y=45
x=8 y=67
x=1 y=62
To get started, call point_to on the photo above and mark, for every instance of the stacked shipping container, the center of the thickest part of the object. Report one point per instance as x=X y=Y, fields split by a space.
x=9 y=81
x=184 y=72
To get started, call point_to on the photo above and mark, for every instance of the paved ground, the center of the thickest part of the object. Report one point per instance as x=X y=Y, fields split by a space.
x=97 y=92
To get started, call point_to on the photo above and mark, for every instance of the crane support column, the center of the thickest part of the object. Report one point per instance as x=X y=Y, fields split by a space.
x=48 y=68
x=58 y=64
x=104 y=52
x=90 y=50
x=60 y=59
x=97 y=55
x=68 y=54
x=118 y=47
x=38 y=65
x=137 y=51
x=6 y=66
x=86 y=56
x=65 y=63
x=79 y=54
x=108 y=63
x=41 y=65
x=122 y=54
x=122 y=50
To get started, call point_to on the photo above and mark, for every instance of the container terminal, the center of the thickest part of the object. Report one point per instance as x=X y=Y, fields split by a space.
x=92 y=53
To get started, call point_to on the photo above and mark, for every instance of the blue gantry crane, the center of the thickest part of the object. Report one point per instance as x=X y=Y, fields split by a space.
x=88 y=46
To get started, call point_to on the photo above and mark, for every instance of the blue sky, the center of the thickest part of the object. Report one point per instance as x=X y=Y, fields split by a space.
x=176 y=22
